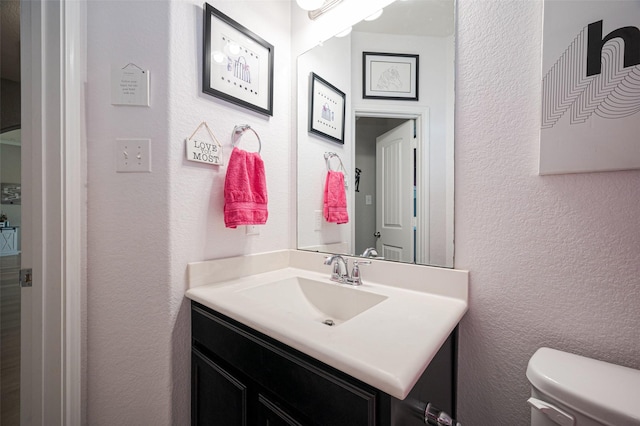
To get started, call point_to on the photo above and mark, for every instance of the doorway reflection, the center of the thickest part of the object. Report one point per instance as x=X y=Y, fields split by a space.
x=370 y=208
x=10 y=211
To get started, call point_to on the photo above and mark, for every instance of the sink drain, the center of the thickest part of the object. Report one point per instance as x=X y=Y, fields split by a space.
x=329 y=322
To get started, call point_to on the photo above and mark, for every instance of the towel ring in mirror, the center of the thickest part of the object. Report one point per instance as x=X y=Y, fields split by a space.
x=327 y=158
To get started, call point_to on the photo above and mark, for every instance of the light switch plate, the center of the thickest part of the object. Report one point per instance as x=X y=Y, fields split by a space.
x=133 y=155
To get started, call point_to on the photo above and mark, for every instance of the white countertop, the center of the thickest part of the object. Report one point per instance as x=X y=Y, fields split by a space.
x=387 y=346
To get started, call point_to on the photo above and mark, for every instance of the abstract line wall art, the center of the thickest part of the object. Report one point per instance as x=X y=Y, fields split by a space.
x=590 y=87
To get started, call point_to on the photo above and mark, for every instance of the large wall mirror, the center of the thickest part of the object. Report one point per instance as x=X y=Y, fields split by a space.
x=397 y=152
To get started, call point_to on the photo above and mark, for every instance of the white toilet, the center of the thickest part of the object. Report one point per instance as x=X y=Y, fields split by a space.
x=569 y=390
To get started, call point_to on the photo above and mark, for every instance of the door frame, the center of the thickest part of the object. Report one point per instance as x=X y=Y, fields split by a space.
x=421 y=116
x=53 y=56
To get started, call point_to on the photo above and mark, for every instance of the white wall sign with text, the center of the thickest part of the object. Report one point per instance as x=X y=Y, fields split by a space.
x=130 y=86
x=590 y=86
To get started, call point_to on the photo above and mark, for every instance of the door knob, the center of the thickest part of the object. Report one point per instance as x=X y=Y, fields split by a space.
x=377 y=234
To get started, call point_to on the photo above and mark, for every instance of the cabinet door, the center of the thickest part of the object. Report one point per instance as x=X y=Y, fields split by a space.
x=269 y=414
x=323 y=395
x=218 y=398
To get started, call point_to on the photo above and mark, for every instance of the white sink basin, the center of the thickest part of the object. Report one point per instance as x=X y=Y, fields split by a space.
x=385 y=331
x=329 y=303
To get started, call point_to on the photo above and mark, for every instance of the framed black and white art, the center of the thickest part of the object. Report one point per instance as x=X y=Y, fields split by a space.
x=390 y=76
x=237 y=64
x=327 y=106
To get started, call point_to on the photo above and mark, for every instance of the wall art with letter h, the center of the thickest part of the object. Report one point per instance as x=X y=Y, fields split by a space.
x=590 y=86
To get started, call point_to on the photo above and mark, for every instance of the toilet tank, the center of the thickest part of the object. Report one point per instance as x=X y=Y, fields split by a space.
x=569 y=390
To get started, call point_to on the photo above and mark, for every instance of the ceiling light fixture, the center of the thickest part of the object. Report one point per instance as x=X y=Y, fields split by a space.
x=326 y=6
x=374 y=16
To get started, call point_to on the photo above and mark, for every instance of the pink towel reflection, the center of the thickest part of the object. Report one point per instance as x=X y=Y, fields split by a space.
x=335 y=198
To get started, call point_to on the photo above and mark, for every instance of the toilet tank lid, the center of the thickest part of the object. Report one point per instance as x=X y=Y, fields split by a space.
x=607 y=392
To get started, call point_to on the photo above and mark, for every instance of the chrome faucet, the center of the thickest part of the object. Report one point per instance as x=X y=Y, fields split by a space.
x=340 y=272
x=370 y=252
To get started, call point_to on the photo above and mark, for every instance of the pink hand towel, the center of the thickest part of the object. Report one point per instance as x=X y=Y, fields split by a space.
x=245 y=190
x=335 y=198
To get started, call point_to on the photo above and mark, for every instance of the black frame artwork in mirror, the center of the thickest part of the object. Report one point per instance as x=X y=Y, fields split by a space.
x=390 y=76
x=237 y=63
x=327 y=109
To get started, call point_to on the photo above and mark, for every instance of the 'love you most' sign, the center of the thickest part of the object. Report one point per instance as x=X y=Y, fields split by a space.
x=201 y=151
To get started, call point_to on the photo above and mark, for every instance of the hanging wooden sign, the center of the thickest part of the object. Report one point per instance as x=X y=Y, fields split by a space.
x=204 y=151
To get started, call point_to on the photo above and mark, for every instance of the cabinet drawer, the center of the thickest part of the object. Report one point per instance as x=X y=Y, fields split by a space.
x=319 y=392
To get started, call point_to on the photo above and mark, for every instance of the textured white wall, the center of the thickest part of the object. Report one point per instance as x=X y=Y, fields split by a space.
x=143 y=229
x=555 y=260
x=128 y=229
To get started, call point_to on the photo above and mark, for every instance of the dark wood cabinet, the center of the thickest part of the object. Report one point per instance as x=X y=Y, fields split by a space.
x=218 y=397
x=242 y=377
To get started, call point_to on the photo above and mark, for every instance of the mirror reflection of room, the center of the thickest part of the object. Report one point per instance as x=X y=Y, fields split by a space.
x=406 y=213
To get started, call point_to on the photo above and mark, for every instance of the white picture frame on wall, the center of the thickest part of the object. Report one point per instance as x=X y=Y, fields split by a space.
x=590 y=112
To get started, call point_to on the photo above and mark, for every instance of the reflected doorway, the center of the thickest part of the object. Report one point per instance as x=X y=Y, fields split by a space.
x=384 y=202
x=10 y=212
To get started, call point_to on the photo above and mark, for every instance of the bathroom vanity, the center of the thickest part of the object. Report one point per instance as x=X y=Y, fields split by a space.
x=242 y=377
x=264 y=351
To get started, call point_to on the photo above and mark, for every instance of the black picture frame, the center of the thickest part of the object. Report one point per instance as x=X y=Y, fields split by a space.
x=327 y=109
x=237 y=63
x=392 y=76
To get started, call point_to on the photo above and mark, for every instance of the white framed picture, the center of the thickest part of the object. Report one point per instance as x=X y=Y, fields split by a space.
x=590 y=112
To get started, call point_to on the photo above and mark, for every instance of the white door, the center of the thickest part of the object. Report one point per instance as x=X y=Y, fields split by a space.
x=395 y=193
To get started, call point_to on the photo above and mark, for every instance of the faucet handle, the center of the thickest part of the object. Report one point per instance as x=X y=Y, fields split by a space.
x=356 y=278
x=335 y=272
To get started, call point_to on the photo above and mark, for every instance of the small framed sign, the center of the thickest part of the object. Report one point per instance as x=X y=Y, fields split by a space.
x=238 y=64
x=205 y=151
x=130 y=86
x=390 y=76
x=326 y=109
